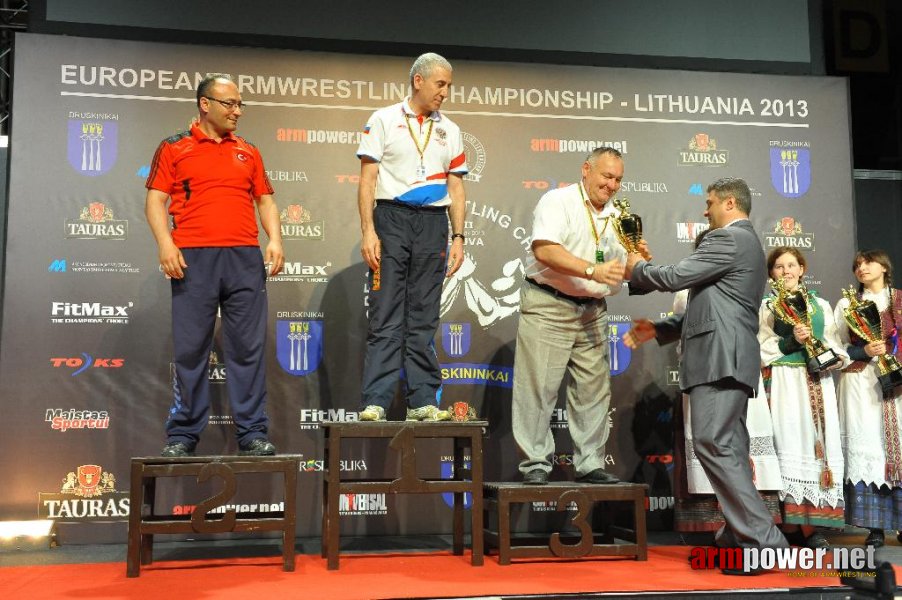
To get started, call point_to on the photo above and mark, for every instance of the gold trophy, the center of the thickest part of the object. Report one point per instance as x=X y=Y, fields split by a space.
x=627 y=225
x=794 y=309
x=863 y=317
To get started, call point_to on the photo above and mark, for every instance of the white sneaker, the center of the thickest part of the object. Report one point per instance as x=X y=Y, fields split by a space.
x=372 y=413
x=429 y=412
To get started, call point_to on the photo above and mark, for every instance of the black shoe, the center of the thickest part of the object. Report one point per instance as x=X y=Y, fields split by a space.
x=816 y=540
x=257 y=447
x=597 y=476
x=177 y=450
x=899 y=537
x=535 y=477
x=876 y=538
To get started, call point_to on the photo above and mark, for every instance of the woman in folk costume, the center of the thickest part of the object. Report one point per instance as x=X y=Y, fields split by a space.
x=803 y=407
x=695 y=507
x=870 y=420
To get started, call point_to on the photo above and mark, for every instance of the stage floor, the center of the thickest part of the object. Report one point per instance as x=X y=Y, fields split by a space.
x=395 y=567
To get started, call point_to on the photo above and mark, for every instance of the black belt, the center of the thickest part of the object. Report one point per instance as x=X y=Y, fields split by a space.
x=413 y=207
x=556 y=292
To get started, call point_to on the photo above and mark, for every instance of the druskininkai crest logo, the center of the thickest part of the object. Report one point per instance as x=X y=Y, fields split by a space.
x=299 y=346
x=456 y=338
x=790 y=170
x=92 y=146
x=619 y=355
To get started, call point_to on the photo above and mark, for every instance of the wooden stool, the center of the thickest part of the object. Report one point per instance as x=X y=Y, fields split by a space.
x=402 y=436
x=144 y=523
x=499 y=497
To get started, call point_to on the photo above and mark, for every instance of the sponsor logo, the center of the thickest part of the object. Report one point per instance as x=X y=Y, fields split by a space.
x=565 y=459
x=550 y=506
x=298 y=224
x=62 y=265
x=648 y=187
x=619 y=356
x=475 y=153
x=303 y=273
x=143 y=172
x=85 y=362
x=96 y=222
x=581 y=146
x=188 y=509
x=653 y=503
x=696 y=189
x=362 y=504
x=703 y=151
x=456 y=339
x=859 y=563
x=790 y=168
x=687 y=232
x=788 y=232
x=287 y=176
x=92 y=145
x=477 y=374
x=86 y=494
x=318 y=136
x=544 y=184
x=559 y=419
x=318 y=465
x=355 y=179
x=299 y=346
x=89 y=312
x=64 y=419
x=672 y=375
x=311 y=418
x=447 y=472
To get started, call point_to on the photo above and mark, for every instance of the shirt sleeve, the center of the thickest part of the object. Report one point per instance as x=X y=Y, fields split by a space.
x=261 y=182
x=162 y=171
x=372 y=142
x=549 y=221
x=458 y=164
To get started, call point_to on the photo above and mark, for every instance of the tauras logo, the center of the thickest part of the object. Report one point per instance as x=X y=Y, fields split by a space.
x=86 y=494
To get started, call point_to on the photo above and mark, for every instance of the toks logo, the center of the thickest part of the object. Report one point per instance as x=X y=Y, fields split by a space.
x=87 y=494
x=86 y=361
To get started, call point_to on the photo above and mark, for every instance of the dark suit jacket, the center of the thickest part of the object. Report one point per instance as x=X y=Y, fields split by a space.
x=719 y=331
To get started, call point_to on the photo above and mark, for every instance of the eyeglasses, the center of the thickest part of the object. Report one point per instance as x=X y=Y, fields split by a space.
x=229 y=105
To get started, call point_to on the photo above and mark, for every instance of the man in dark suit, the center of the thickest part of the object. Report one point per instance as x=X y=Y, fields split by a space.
x=721 y=358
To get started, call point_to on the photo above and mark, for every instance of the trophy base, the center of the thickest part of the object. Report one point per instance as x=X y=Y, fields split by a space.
x=823 y=361
x=890 y=381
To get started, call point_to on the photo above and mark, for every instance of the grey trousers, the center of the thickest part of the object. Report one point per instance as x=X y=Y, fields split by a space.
x=557 y=336
x=722 y=445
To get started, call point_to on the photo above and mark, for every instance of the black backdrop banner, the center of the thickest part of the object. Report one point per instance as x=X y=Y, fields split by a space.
x=86 y=344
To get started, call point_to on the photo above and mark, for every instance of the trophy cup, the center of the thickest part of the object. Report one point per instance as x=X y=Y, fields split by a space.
x=794 y=308
x=627 y=225
x=863 y=317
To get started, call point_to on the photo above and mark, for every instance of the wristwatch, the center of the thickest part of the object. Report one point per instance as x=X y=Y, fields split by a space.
x=590 y=270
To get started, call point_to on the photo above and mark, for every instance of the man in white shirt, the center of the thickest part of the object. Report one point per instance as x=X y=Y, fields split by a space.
x=576 y=262
x=412 y=165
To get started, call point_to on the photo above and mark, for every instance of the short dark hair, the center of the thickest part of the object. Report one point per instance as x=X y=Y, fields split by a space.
x=600 y=151
x=203 y=88
x=878 y=256
x=735 y=187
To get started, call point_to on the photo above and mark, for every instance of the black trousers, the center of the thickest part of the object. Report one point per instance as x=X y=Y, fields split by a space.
x=404 y=311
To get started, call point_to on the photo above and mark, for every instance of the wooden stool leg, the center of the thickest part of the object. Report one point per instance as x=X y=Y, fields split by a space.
x=457 y=466
x=504 y=529
x=289 y=517
x=332 y=533
x=476 y=516
x=639 y=516
x=133 y=554
x=150 y=496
